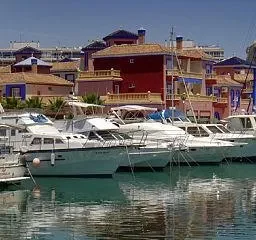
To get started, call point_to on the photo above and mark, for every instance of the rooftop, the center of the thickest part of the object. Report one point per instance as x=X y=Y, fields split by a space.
x=96 y=45
x=5 y=69
x=65 y=66
x=33 y=78
x=225 y=80
x=29 y=61
x=121 y=34
x=147 y=49
x=235 y=62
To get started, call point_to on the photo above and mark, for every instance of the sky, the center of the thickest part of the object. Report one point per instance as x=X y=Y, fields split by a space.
x=230 y=24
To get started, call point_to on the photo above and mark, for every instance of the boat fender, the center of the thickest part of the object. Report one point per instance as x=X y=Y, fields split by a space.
x=36 y=162
x=52 y=159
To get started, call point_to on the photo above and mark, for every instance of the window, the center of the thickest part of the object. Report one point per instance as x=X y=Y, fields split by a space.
x=58 y=141
x=13 y=132
x=92 y=136
x=38 y=93
x=116 y=90
x=214 y=129
x=50 y=88
x=223 y=129
x=15 y=92
x=197 y=131
x=48 y=141
x=246 y=122
x=106 y=135
x=70 y=77
x=2 y=132
x=36 y=141
x=131 y=60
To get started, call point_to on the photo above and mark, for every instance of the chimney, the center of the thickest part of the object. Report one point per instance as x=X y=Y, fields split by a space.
x=141 y=34
x=34 y=65
x=179 y=42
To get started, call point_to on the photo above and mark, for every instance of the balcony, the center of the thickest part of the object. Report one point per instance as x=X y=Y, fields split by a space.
x=133 y=98
x=196 y=97
x=185 y=74
x=98 y=74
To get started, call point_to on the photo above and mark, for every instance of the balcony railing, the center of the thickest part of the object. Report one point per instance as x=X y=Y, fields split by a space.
x=125 y=98
x=194 y=97
x=100 y=74
x=176 y=72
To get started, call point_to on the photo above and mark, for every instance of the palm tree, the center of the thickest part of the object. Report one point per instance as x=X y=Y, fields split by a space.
x=12 y=103
x=34 y=102
x=55 y=104
x=92 y=98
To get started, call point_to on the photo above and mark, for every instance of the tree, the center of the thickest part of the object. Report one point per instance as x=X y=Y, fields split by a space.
x=12 y=103
x=92 y=98
x=34 y=102
x=55 y=104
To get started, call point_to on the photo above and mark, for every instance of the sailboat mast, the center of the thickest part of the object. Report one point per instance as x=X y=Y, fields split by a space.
x=172 y=67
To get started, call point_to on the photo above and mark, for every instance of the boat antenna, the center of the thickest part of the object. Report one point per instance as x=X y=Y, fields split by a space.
x=172 y=66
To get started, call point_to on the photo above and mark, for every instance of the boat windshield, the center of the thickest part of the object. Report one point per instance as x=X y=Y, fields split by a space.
x=223 y=129
x=197 y=131
x=214 y=129
x=121 y=136
x=106 y=135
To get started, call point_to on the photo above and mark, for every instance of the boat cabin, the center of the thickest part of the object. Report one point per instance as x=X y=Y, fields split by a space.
x=241 y=123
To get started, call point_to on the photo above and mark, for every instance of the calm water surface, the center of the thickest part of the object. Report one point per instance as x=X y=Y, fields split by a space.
x=183 y=203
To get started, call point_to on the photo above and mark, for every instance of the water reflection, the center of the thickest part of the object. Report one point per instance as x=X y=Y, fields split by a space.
x=182 y=203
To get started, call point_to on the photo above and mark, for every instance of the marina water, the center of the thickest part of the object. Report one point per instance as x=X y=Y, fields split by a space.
x=206 y=202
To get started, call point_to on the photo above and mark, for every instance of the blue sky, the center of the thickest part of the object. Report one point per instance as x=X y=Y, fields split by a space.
x=231 y=24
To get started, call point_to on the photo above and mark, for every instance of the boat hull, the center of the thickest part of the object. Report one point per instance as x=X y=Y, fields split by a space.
x=201 y=155
x=83 y=162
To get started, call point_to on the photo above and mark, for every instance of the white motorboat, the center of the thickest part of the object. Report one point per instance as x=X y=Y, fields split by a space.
x=188 y=149
x=12 y=166
x=142 y=154
x=50 y=153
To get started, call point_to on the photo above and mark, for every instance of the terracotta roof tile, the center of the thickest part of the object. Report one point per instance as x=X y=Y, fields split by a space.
x=65 y=66
x=194 y=53
x=242 y=77
x=5 y=69
x=225 y=80
x=146 y=49
x=32 y=78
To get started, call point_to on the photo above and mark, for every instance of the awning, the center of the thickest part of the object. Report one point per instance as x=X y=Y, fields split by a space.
x=190 y=80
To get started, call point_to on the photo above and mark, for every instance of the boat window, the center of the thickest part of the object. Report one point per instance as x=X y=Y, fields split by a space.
x=36 y=141
x=23 y=131
x=82 y=137
x=75 y=136
x=106 y=135
x=2 y=132
x=58 y=141
x=13 y=132
x=68 y=137
x=48 y=141
x=197 y=131
x=121 y=136
x=214 y=129
x=223 y=129
x=246 y=122
x=92 y=136
x=183 y=128
x=168 y=120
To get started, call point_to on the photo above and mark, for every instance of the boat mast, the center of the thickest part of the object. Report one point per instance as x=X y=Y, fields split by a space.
x=172 y=67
